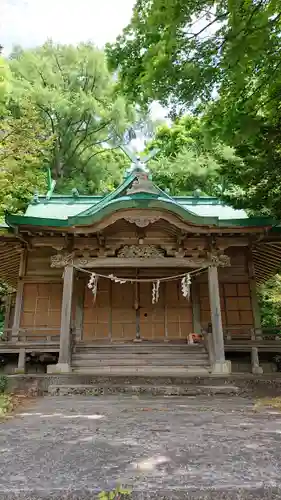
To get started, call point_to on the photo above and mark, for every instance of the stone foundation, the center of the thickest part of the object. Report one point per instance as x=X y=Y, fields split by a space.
x=267 y=385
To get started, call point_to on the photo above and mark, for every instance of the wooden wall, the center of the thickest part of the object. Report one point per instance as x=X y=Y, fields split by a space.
x=41 y=308
x=113 y=314
x=235 y=295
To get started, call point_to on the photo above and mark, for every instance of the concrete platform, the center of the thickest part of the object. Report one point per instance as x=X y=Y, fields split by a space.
x=163 y=448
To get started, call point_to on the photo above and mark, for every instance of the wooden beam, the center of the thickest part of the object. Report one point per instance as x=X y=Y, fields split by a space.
x=115 y=262
x=264 y=265
x=276 y=256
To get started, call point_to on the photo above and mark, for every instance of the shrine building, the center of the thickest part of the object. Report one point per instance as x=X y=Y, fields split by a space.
x=136 y=281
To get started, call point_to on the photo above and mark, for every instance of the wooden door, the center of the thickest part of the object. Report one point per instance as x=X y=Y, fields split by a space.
x=178 y=312
x=97 y=313
x=152 y=316
x=123 y=312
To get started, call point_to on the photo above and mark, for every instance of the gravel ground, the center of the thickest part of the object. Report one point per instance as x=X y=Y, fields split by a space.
x=198 y=448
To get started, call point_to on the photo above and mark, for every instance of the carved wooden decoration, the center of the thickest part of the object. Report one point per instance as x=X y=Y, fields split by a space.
x=140 y=252
x=140 y=256
x=142 y=185
x=62 y=260
x=142 y=221
x=218 y=259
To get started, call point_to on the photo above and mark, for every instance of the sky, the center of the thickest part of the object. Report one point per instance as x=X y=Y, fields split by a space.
x=31 y=22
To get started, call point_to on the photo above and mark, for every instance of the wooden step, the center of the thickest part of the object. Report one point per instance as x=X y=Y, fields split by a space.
x=138 y=356
x=139 y=362
x=141 y=347
x=167 y=371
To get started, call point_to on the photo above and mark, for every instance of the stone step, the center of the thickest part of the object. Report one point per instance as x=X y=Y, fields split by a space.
x=149 y=371
x=139 y=362
x=155 y=390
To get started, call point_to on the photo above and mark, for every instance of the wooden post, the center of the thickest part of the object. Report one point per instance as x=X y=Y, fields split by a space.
x=166 y=331
x=137 y=309
x=195 y=307
x=220 y=366
x=254 y=297
x=79 y=312
x=63 y=365
x=19 y=297
x=110 y=324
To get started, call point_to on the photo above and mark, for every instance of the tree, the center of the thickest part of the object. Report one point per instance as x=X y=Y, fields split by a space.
x=270 y=302
x=190 y=159
x=5 y=84
x=75 y=97
x=221 y=59
x=24 y=153
x=180 y=52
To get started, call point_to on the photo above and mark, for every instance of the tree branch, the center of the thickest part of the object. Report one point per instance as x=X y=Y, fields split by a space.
x=216 y=19
x=97 y=153
x=49 y=115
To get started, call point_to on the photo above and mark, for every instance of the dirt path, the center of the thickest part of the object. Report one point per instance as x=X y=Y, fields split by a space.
x=71 y=448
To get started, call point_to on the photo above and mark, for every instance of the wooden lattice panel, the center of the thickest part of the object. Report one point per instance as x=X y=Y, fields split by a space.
x=178 y=312
x=123 y=311
x=97 y=312
x=236 y=307
x=152 y=316
x=41 y=309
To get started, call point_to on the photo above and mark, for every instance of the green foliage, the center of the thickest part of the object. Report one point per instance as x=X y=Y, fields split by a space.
x=221 y=59
x=24 y=150
x=3 y=383
x=190 y=159
x=181 y=51
x=117 y=494
x=78 y=107
x=270 y=302
x=5 y=83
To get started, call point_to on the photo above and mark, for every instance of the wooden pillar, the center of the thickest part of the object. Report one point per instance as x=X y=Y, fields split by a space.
x=63 y=365
x=110 y=323
x=220 y=366
x=19 y=296
x=166 y=331
x=79 y=311
x=137 y=309
x=195 y=297
x=254 y=297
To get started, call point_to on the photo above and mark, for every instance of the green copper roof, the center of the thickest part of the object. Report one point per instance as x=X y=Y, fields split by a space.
x=67 y=206
x=66 y=211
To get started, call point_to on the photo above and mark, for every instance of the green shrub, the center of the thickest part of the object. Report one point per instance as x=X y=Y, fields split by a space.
x=117 y=494
x=3 y=383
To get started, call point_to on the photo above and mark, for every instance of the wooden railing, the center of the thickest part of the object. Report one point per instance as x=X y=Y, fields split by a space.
x=271 y=334
x=31 y=334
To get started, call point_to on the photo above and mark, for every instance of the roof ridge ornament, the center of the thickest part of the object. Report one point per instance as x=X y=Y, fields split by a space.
x=142 y=184
x=137 y=158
